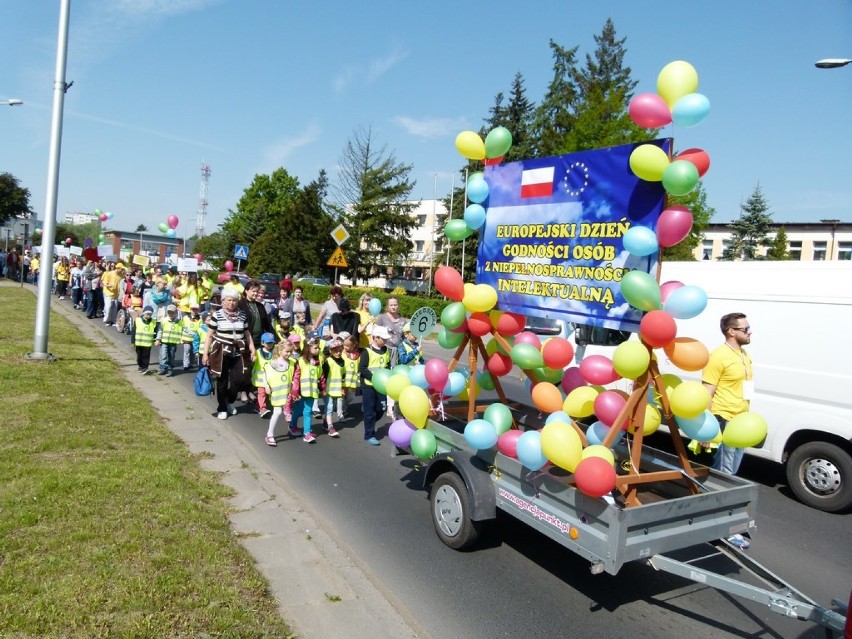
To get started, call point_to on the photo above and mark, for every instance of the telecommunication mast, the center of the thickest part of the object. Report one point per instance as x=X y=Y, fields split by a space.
x=202 y=200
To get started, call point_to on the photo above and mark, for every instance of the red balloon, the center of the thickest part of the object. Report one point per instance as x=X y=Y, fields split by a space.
x=436 y=373
x=595 y=476
x=698 y=157
x=499 y=364
x=597 y=369
x=461 y=328
x=479 y=323
x=658 y=329
x=528 y=337
x=673 y=225
x=509 y=324
x=229 y=266
x=557 y=352
x=608 y=405
x=102 y=217
x=507 y=443
x=666 y=289
x=649 y=111
x=492 y=161
x=449 y=282
x=572 y=378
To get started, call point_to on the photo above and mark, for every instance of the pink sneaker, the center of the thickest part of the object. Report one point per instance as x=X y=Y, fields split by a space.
x=332 y=432
x=309 y=438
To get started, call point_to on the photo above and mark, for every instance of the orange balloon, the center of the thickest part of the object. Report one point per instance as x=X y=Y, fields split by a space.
x=687 y=353
x=546 y=397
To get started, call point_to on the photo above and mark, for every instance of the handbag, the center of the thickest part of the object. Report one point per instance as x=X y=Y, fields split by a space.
x=202 y=383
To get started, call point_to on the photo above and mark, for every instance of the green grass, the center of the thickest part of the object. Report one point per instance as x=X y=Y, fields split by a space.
x=108 y=526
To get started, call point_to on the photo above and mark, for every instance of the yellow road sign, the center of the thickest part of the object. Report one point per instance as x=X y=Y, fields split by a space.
x=337 y=259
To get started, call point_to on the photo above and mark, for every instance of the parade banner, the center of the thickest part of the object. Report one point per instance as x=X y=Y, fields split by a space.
x=552 y=245
x=187 y=265
x=140 y=260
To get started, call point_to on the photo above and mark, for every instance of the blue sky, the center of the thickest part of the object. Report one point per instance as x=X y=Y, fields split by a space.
x=249 y=86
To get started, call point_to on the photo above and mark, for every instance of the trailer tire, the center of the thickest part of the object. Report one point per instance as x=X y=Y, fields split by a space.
x=820 y=475
x=451 y=510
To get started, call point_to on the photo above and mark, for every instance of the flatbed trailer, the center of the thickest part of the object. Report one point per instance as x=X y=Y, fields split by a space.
x=677 y=528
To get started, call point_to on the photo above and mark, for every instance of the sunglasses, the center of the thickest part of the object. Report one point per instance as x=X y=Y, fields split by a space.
x=745 y=329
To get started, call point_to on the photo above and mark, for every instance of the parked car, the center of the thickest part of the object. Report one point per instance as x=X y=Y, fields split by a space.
x=319 y=281
x=270 y=290
x=224 y=276
x=270 y=277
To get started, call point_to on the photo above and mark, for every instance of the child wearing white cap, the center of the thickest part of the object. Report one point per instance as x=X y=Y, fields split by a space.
x=375 y=357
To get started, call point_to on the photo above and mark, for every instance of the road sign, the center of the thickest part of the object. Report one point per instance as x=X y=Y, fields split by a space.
x=340 y=234
x=241 y=252
x=423 y=321
x=337 y=259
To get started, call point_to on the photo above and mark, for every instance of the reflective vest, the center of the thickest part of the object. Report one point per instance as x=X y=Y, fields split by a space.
x=279 y=382
x=188 y=328
x=376 y=361
x=261 y=358
x=351 y=376
x=169 y=331
x=308 y=378
x=144 y=332
x=334 y=381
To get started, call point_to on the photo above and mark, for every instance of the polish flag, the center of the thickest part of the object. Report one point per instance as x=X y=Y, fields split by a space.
x=537 y=182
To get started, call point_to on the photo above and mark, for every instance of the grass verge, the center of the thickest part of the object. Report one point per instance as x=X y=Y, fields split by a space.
x=108 y=526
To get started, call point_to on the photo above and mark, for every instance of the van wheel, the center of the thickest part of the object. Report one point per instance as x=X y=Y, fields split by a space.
x=451 y=512
x=820 y=474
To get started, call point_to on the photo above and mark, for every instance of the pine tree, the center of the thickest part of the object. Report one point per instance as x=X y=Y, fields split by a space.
x=517 y=116
x=553 y=118
x=778 y=248
x=751 y=230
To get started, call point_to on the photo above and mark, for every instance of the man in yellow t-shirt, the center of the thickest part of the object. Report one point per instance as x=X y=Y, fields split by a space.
x=111 y=284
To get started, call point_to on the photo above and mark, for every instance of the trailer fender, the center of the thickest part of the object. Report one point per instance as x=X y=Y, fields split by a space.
x=476 y=476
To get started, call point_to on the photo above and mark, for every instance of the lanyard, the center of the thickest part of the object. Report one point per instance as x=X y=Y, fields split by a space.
x=742 y=355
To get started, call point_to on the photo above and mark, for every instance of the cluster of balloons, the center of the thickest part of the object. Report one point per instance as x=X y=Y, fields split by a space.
x=491 y=151
x=103 y=216
x=169 y=226
x=676 y=101
x=229 y=265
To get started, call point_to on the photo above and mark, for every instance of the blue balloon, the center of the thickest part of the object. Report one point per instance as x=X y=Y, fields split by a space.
x=702 y=428
x=417 y=376
x=375 y=306
x=477 y=189
x=597 y=432
x=529 y=450
x=640 y=241
x=455 y=384
x=474 y=215
x=480 y=434
x=171 y=233
x=690 y=110
x=558 y=416
x=686 y=302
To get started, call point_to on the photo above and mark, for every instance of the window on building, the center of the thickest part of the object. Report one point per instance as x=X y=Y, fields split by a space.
x=820 y=251
x=795 y=250
x=418 y=273
x=707 y=250
x=421 y=220
x=418 y=246
x=844 y=251
x=439 y=246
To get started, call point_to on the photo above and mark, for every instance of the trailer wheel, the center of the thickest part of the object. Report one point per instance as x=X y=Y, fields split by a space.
x=820 y=474
x=451 y=512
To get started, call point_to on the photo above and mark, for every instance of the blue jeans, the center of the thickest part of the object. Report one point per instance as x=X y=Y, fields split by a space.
x=167 y=356
x=728 y=459
x=373 y=403
x=305 y=407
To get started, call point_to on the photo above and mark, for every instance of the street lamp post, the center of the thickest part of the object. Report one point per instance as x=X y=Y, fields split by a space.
x=832 y=63
x=834 y=224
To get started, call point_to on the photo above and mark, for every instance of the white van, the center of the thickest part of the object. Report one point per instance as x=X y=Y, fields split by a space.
x=800 y=314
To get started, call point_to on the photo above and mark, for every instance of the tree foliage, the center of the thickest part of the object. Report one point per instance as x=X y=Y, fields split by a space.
x=778 y=248
x=141 y=228
x=215 y=248
x=702 y=213
x=517 y=117
x=751 y=230
x=14 y=198
x=371 y=200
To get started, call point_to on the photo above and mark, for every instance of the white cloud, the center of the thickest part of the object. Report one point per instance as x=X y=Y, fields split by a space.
x=124 y=125
x=431 y=128
x=373 y=70
x=281 y=150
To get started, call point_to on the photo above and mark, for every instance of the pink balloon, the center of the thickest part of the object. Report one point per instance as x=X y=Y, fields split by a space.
x=198 y=257
x=68 y=240
x=608 y=405
x=173 y=221
x=103 y=217
x=572 y=378
x=507 y=443
x=597 y=369
x=666 y=289
x=436 y=373
x=698 y=157
x=649 y=111
x=673 y=225
x=229 y=266
x=528 y=337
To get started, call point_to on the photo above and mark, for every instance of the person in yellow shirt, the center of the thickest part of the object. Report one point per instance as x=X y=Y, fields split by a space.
x=111 y=285
x=234 y=284
x=34 y=264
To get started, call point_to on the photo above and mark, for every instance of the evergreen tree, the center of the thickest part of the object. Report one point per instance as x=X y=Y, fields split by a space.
x=750 y=231
x=14 y=199
x=702 y=213
x=778 y=248
x=553 y=118
x=372 y=203
x=141 y=228
x=517 y=116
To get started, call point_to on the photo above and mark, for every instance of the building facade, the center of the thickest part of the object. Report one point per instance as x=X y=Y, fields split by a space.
x=806 y=241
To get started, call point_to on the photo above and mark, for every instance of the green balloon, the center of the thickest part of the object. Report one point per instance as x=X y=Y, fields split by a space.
x=641 y=291
x=551 y=375
x=493 y=346
x=497 y=142
x=499 y=416
x=526 y=356
x=423 y=444
x=448 y=339
x=380 y=380
x=485 y=381
x=403 y=369
x=457 y=230
x=680 y=177
x=453 y=315
x=163 y=227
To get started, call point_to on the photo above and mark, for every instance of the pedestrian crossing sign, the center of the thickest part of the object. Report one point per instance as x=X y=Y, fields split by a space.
x=337 y=259
x=241 y=252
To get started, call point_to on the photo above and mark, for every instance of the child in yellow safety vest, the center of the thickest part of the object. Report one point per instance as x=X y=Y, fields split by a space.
x=351 y=377
x=334 y=371
x=168 y=338
x=278 y=380
x=373 y=358
x=258 y=374
x=189 y=324
x=308 y=384
x=143 y=338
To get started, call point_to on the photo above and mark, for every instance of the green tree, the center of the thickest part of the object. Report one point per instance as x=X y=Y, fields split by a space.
x=751 y=230
x=372 y=202
x=141 y=228
x=214 y=248
x=553 y=118
x=702 y=213
x=778 y=248
x=517 y=116
x=14 y=199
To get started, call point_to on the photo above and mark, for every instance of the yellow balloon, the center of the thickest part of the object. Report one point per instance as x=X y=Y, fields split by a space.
x=599 y=450
x=580 y=402
x=652 y=421
x=689 y=399
x=745 y=430
x=414 y=404
x=479 y=298
x=465 y=394
x=470 y=145
x=648 y=162
x=631 y=359
x=561 y=444
x=396 y=384
x=676 y=80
